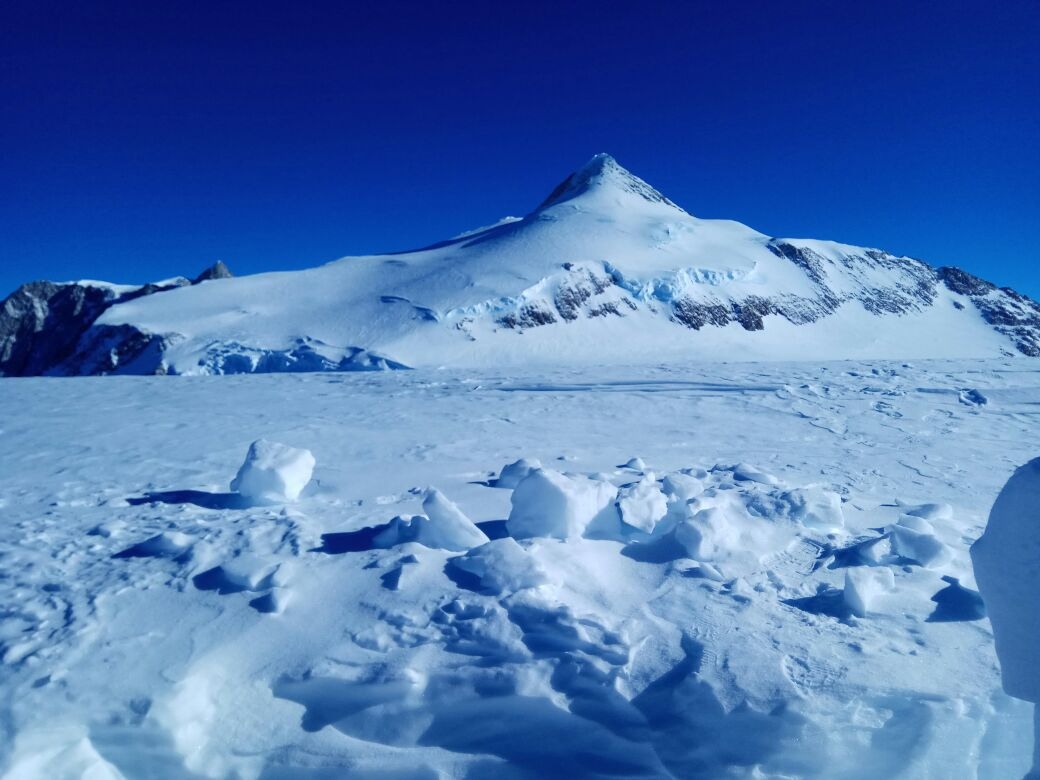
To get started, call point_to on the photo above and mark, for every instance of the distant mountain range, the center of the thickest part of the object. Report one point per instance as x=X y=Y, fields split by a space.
x=606 y=269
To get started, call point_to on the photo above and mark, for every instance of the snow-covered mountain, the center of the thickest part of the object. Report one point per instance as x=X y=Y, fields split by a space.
x=605 y=269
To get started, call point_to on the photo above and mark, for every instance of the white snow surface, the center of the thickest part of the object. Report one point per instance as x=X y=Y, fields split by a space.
x=608 y=243
x=156 y=625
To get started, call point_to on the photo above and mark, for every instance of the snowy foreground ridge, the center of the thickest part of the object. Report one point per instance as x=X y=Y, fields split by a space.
x=606 y=269
x=743 y=571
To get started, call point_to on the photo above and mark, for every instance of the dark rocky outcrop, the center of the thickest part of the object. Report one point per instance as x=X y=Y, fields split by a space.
x=41 y=323
x=907 y=286
x=1009 y=312
x=216 y=271
x=48 y=328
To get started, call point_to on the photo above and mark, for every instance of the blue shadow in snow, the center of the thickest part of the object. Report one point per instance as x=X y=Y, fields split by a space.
x=197 y=497
x=955 y=603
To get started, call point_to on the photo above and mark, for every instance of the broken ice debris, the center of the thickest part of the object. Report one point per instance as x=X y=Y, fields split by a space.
x=863 y=584
x=914 y=538
x=642 y=504
x=273 y=472
x=443 y=527
x=548 y=503
x=447 y=526
x=514 y=472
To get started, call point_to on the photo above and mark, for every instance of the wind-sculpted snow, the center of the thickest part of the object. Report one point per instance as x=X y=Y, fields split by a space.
x=605 y=270
x=755 y=570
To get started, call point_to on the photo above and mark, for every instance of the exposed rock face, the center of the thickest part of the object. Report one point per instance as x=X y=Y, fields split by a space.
x=909 y=286
x=216 y=271
x=1009 y=312
x=46 y=328
x=41 y=323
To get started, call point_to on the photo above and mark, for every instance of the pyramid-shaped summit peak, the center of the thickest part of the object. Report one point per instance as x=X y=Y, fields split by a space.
x=601 y=163
x=601 y=173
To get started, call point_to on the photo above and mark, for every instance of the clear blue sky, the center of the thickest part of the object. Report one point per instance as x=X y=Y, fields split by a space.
x=143 y=140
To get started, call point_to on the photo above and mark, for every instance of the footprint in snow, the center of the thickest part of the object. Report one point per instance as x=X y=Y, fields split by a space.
x=887 y=409
x=971 y=397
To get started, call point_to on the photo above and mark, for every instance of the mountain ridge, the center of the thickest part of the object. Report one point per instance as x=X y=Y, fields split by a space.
x=606 y=268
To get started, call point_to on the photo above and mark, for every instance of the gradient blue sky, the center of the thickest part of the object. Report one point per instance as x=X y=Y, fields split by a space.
x=143 y=140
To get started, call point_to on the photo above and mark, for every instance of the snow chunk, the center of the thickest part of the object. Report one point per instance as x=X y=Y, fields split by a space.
x=512 y=474
x=502 y=566
x=922 y=546
x=681 y=486
x=548 y=503
x=1006 y=561
x=273 y=473
x=642 y=504
x=635 y=464
x=815 y=507
x=863 y=585
x=916 y=523
x=447 y=526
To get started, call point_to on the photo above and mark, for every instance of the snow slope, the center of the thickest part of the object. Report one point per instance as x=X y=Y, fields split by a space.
x=775 y=584
x=605 y=270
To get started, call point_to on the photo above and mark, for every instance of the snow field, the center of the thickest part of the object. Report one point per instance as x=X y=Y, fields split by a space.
x=763 y=621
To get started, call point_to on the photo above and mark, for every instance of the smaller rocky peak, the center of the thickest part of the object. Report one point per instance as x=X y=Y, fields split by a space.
x=216 y=271
x=963 y=283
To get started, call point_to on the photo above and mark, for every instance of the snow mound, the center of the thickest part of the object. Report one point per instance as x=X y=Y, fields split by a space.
x=273 y=472
x=719 y=528
x=1007 y=568
x=548 y=503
